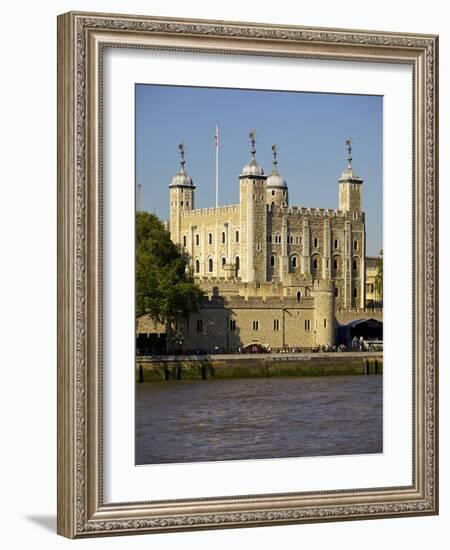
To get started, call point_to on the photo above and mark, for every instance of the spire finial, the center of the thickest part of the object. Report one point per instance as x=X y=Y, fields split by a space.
x=348 y=143
x=252 y=137
x=274 y=153
x=181 y=148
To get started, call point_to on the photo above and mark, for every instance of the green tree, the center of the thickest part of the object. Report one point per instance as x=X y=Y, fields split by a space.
x=379 y=277
x=164 y=288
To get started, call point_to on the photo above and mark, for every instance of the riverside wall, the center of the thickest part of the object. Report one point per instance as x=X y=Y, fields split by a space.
x=208 y=367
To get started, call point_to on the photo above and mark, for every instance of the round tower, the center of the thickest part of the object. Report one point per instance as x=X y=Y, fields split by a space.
x=277 y=190
x=181 y=191
x=324 y=313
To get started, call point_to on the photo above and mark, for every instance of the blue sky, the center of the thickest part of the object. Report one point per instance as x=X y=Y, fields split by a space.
x=310 y=130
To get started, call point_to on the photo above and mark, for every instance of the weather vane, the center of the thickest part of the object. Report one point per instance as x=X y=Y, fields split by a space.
x=181 y=148
x=252 y=137
x=348 y=143
x=274 y=152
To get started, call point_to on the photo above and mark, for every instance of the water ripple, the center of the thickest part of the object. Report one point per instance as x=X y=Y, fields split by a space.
x=198 y=421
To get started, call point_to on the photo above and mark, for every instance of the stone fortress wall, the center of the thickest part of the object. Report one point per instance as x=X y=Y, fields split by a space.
x=273 y=273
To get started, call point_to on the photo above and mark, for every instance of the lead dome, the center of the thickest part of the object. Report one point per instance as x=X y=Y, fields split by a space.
x=182 y=178
x=275 y=179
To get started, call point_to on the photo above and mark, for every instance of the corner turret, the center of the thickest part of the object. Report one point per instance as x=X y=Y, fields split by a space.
x=350 y=186
x=181 y=196
x=277 y=191
x=253 y=220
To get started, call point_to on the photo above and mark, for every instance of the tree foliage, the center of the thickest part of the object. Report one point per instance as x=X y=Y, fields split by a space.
x=164 y=288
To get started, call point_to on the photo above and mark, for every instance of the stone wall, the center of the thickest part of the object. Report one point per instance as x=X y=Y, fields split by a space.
x=209 y=368
x=345 y=316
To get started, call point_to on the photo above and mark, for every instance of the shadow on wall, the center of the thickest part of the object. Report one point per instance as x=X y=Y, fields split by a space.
x=213 y=329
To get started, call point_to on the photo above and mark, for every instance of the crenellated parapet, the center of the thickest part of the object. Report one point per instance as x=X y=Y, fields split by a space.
x=211 y=212
x=264 y=247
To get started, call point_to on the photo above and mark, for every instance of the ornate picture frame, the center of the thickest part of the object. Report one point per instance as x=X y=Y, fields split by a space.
x=82 y=38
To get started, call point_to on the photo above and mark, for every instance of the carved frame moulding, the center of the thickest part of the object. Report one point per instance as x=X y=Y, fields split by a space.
x=82 y=38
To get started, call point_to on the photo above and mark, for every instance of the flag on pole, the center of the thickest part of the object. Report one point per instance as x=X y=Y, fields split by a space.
x=216 y=143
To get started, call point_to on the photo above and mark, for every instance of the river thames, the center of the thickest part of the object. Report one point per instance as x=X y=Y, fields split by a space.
x=236 y=419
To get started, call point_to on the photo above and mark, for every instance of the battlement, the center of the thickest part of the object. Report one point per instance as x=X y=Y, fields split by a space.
x=257 y=302
x=309 y=212
x=211 y=211
x=270 y=292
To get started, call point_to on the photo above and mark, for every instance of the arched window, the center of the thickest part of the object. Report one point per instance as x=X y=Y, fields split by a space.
x=315 y=263
x=210 y=265
x=224 y=261
x=336 y=243
x=294 y=261
x=184 y=240
x=355 y=245
x=316 y=242
x=272 y=261
x=181 y=203
x=210 y=238
x=272 y=205
x=298 y=296
x=335 y=264
x=238 y=265
x=197 y=239
x=187 y=203
x=273 y=193
x=197 y=266
x=223 y=237
x=237 y=236
x=355 y=265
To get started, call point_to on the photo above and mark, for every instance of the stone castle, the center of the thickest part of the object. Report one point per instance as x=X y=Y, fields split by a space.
x=274 y=274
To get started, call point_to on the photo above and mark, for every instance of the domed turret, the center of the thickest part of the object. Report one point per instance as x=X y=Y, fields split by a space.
x=349 y=173
x=181 y=197
x=277 y=191
x=182 y=178
x=253 y=220
x=275 y=180
x=350 y=186
x=252 y=169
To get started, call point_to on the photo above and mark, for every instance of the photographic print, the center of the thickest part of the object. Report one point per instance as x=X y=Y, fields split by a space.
x=232 y=350
x=259 y=274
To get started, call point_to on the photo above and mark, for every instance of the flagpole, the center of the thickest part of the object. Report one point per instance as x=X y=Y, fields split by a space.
x=139 y=196
x=217 y=165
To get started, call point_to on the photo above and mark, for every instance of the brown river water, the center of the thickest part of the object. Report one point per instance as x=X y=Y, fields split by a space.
x=205 y=420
